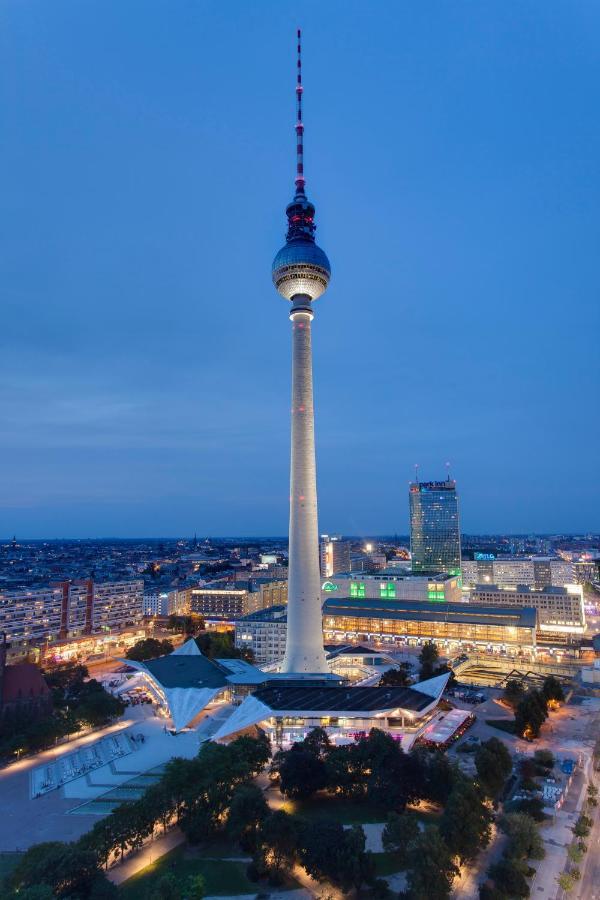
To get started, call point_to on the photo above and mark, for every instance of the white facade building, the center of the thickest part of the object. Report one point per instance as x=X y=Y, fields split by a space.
x=560 y=609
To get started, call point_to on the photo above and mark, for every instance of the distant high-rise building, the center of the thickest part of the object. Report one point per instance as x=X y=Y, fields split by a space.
x=434 y=527
x=335 y=556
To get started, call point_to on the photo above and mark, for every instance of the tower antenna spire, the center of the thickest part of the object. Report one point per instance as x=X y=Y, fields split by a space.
x=299 y=123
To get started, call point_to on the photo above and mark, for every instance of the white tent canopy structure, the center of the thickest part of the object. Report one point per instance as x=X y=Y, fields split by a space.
x=185 y=681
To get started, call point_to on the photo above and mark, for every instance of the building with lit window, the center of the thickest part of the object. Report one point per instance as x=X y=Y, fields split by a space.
x=335 y=556
x=264 y=633
x=560 y=609
x=43 y=616
x=434 y=527
x=288 y=711
x=394 y=584
x=400 y=622
x=535 y=571
x=230 y=602
x=166 y=602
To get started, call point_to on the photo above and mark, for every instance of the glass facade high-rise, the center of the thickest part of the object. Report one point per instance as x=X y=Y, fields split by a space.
x=434 y=527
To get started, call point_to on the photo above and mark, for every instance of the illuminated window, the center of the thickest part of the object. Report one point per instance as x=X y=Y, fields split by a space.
x=357 y=589
x=387 y=591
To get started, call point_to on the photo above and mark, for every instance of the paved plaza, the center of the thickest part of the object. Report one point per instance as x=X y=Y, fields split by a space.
x=72 y=809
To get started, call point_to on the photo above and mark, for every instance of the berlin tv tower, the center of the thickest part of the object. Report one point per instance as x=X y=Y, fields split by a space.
x=301 y=273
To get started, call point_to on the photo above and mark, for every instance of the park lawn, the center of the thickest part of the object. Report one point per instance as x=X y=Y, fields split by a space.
x=348 y=812
x=221 y=876
x=387 y=864
x=340 y=809
x=8 y=861
x=507 y=725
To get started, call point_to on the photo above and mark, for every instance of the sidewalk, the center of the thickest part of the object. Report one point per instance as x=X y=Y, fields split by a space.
x=146 y=856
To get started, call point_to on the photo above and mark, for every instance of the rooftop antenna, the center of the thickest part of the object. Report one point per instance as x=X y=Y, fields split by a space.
x=299 y=124
x=416 y=473
x=448 y=472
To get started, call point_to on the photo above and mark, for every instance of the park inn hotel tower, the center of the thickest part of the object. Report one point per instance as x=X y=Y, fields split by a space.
x=434 y=527
x=301 y=273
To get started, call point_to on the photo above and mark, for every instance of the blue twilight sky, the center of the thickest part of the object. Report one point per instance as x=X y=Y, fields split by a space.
x=452 y=151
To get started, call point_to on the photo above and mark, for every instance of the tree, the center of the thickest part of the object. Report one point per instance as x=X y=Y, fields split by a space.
x=583 y=826
x=35 y=892
x=465 y=822
x=530 y=714
x=507 y=877
x=399 y=677
x=437 y=774
x=195 y=888
x=531 y=806
x=544 y=759
x=68 y=869
x=149 y=648
x=301 y=773
x=393 y=778
x=524 y=841
x=166 y=888
x=566 y=882
x=399 y=833
x=430 y=867
x=552 y=689
x=329 y=852
x=247 y=811
x=428 y=657
x=514 y=692
x=277 y=844
x=494 y=764
x=317 y=742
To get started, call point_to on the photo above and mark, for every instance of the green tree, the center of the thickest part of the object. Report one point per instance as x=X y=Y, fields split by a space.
x=330 y=852
x=544 y=759
x=301 y=773
x=277 y=844
x=166 y=888
x=399 y=833
x=494 y=764
x=68 y=869
x=514 y=692
x=195 y=888
x=530 y=714
x=508 y=877
x=552 y=689
x=399 y=677
x=524 y=841
x=247 y=811
x=430 y=867
x=531 y=806
x=149 y=648
x=428 y=657
x=465 y=824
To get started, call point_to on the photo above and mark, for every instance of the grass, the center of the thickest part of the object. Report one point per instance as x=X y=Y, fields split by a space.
x=387 y=864
x=347 y=812
x=507 y=725
x=221 y=876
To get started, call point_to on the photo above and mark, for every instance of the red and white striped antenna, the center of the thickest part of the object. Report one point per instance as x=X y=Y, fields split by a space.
x=299 y=123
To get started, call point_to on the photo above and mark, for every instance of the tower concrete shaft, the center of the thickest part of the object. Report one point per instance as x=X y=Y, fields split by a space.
x=304 y=651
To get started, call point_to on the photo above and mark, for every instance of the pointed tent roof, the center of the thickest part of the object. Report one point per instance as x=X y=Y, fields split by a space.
x=250 y=712
x=189 y=648
x=432 y=687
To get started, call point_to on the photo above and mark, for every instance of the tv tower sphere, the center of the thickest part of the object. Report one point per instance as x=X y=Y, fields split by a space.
x=301 y=267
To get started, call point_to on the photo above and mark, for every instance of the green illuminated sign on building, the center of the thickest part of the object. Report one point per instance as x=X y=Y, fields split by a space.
x=387 y=591
x=358 y=589
x=330 y=586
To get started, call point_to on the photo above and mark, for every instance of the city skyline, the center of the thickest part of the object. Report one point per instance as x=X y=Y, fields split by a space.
x=456 y=161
